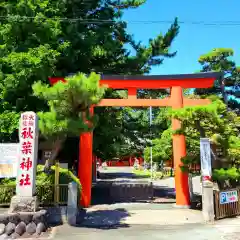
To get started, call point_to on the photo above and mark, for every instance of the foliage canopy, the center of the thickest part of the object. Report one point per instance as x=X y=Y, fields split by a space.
x=69 y=104
x=46 y=38
x=213 y=121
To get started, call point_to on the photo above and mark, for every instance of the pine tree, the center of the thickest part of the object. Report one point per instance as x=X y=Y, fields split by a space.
x=69 y=104
x=212 y=121
x=220 y=59
x=46 y=38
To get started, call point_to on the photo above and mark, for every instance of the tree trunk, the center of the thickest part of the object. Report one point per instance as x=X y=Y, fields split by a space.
x=56 y=148
x=200 y=129
x=57 y=145
x=224 y=94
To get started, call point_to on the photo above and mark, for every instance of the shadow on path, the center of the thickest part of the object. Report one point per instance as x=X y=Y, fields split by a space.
x=164 y=192
x=105 y=219
x=161 y=194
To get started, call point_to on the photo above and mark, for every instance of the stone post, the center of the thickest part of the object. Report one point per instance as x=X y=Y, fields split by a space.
x=25 y=199
x=72 y=207
x=190 y=184
x=208 y=202
x=207 y=184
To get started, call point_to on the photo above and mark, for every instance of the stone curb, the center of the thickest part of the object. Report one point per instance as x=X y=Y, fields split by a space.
x=13 y=221
x=51 y=236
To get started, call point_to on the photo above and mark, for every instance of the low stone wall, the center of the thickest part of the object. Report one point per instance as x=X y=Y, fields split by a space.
x=132 y=191
x=16 y=224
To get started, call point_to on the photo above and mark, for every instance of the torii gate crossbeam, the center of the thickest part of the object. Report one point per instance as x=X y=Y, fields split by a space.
x=176 y=100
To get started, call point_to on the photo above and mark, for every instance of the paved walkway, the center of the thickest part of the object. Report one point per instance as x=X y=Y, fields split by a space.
x=108 y=218
x=140 y=221
x=170 y=183
x=124 y=174
x=228 y=230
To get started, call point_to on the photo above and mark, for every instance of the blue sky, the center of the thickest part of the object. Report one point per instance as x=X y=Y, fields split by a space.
x=193 y=40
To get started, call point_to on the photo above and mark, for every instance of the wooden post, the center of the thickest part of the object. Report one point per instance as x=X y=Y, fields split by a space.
x=94 y=169
x=56 y=183
x=85 y=166
x=179 y=151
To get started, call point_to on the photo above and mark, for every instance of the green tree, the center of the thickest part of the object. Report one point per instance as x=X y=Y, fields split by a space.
x=161 y=148
x=46 y=38
x=130 y=131
x=9 y=122
x=212 y=121
x=220 y=59
x=69 y=104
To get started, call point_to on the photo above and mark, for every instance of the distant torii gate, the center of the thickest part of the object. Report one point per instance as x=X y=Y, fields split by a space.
x=176 y=100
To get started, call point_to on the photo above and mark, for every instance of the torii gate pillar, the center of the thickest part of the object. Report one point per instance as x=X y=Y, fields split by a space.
x=132 y=83
x=179 y=151
x=85 y=166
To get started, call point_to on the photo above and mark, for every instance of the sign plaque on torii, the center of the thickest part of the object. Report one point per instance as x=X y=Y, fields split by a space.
x=176 y=100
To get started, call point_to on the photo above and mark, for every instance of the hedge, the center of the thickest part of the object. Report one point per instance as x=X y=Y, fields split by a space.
x=227 y=178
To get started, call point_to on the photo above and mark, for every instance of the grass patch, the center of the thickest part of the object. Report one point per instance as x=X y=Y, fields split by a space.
x=147 y=174
x=141 y=173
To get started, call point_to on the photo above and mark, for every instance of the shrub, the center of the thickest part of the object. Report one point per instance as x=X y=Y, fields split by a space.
x=227 y=177
x=7 y=191
x=44 y=184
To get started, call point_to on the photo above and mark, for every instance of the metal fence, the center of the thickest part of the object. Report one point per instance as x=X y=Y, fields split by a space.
x=169 y=172
x=224 y=210
x=47 y=194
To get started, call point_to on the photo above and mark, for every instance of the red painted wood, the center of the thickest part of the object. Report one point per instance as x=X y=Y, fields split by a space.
x=150 y=84
x=85 y=168
x=179 y=150
x=54 y=80
x=158 y=84
x=179 y=145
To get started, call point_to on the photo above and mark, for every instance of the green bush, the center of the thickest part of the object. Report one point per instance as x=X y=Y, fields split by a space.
x=226 y=174
x=227 y=177
x=44 y=184
x=7 y=192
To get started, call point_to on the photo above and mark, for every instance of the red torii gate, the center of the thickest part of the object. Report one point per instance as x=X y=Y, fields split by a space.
x=176 y=100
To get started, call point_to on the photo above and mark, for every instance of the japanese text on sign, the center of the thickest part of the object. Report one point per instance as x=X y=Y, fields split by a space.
x=26 y=148
x=28 y=154
x=228 y=197
x=205 y=154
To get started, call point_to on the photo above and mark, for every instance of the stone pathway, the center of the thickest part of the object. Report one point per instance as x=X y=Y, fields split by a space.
x=144 y=220
x=133 y=206
x=140 y=214
x=170 y=183
x=195 y=231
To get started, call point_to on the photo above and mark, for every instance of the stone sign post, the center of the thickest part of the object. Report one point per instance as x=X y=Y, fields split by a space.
x=25 y=199
x=207 y=184
x=72 y=207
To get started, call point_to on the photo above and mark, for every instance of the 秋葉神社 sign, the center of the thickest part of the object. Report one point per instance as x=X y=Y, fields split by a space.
x=28 y=144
